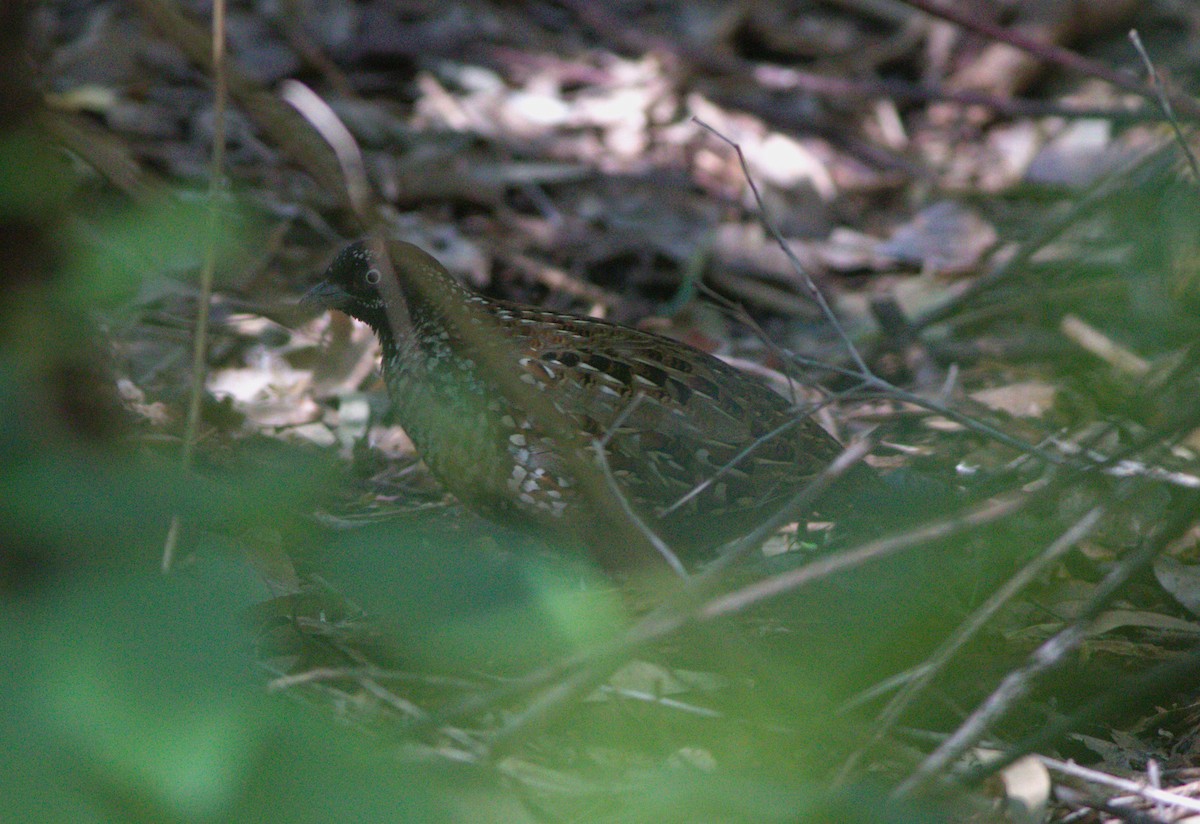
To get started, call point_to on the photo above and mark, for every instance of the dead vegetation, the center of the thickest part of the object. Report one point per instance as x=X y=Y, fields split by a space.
x=998 y=208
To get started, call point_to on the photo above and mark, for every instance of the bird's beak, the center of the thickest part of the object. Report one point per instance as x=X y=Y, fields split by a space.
x=325 y=294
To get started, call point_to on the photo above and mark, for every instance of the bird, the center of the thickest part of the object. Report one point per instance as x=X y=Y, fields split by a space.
x=700 y=451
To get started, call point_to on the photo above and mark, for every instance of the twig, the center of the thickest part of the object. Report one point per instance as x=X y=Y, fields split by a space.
x=796 y=80
x=936 y=662
x=776 y=585
x=1164 y=103
x=862 y=372
x=806 y=279
x=216 y=189
x=1086 y=806
x=1051 y=654
x=669 y=703
x=1102 y=346
x=608 y=25
x=1169 y=673
x=322 y=118
x=600 y=447
x=573 y=677
x=733 y=462
x=1049 y=52
x=1135 y=787
x=276 y=119
x=1150 y=163
x=894 y=392
x=802 y=500
x=292 y=23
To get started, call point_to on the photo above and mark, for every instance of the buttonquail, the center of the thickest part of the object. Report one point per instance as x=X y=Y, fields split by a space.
x=671 y=416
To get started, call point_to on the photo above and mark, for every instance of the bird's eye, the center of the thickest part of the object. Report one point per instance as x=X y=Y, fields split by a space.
x=373 y=276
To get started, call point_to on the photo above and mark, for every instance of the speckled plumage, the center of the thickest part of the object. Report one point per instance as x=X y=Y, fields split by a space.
x=682 y=414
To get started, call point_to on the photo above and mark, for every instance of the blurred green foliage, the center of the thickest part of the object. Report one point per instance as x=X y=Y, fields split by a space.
x=129 y=696
x=126 y=695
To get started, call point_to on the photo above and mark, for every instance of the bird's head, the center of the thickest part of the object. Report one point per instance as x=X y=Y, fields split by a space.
x=351 y=285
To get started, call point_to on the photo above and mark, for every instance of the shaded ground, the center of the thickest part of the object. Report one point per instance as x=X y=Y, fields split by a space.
x=1007 y=241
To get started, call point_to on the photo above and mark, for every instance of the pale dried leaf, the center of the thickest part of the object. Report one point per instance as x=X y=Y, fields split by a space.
x=1028 y=399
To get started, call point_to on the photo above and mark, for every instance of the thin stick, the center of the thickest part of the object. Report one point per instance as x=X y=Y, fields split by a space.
x=1138 y=686
x=1143 y=167
x=861 y=371
x=765 y=217
x=216 y=190
x=323 y=118
x=891 y=713
x=1051 y=53
x=792 y=580
x=1137 y=788
x=1051 y=654
x=1164 y=103
x=733 y=462
x=652 y=537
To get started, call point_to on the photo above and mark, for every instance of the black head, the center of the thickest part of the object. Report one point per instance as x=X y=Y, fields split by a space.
x=362 y=284
x=351 y=285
